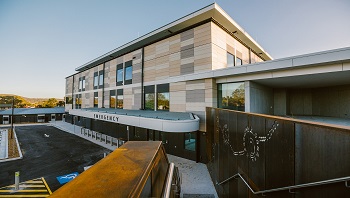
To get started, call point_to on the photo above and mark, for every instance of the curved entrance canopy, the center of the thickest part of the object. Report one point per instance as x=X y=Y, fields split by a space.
x=156 y=120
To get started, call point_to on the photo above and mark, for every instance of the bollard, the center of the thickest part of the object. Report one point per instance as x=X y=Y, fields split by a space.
x=104 y=155
x=17 y=180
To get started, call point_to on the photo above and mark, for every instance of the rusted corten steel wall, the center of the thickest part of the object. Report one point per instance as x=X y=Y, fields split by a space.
x=272 y=152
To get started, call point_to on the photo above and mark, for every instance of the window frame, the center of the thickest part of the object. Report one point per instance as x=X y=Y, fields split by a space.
x=227 y=59
x=95 y=101
x=120 y=79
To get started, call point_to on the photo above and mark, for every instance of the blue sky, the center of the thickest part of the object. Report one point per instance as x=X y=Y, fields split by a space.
x=43 y=41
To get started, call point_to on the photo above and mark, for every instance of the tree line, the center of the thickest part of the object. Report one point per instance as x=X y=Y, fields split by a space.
x=20 y=102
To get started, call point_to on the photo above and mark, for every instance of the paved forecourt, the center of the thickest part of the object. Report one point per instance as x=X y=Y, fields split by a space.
x=49 y=153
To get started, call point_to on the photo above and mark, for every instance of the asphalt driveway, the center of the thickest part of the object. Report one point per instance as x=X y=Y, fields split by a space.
x=49 y=152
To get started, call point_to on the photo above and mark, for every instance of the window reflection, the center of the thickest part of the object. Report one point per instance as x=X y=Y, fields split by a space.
x=230 y=60
x=190 y=141
x=128 y=73
x=163 y=101
x=149 y=101
x=231 y=96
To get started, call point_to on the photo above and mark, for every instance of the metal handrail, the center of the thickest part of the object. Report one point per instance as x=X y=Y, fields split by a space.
x=329 y=181
x=169 y=181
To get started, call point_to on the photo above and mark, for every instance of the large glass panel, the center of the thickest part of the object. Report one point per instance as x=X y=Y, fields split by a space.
x=128 y=73
x=190 y=141
x=96 y=99
x=101 y=79
x=120 y=99
x=80 y=85
x=149 y=101
x=112 y=101
x=163 y=101
x=95 y=81
x=238 y=61
x=69 y=100
x=83 y=86
x=230 y=60
x=231 y=96
x=120 y=75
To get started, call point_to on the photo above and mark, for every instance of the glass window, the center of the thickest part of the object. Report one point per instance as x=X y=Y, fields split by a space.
x=128 y=73
x=120 y=75
x=96 y=99
x=96 y=81
x=163 y=97
x=69 y=100
x=120 y=99
x=83 y=84
x=163 y=101
x=190 y=141
x=230 y=60
x=80 y=84
x=149 y=101
x=78 y=101
x=238 y=61
x=149 y=97
x=101 y=78
x=112 y=99
x=231 y=96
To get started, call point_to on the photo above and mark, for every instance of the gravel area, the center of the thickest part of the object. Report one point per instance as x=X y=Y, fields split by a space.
x=12 y=147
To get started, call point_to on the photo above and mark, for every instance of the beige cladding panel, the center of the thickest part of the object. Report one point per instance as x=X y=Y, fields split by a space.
x=202 y=35
x=219 y=57
x=128 y=98
x=69 y=85
x=177 y=97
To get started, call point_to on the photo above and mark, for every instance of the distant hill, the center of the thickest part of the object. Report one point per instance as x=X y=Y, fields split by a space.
x=21 y=101
x=38 y=100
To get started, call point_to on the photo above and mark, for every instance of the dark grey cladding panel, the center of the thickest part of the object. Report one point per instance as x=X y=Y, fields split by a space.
x=136 y=77
x=187 y=69
x=197 y=95
x=137 y=66
x=137 y=56
x=187 y=51
x=187 y=47
x=187 y=35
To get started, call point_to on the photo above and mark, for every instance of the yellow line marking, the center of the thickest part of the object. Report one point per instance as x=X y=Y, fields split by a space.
x=33 y=182
x=24 y=195
x=47 y=186
x=23 y=191
x=28 y=186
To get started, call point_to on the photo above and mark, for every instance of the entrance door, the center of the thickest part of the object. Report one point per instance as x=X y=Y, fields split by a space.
x=6 y=120
x=53 y=117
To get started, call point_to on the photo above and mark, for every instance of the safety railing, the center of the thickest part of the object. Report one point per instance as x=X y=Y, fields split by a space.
x=289 y=188
x=172 y=186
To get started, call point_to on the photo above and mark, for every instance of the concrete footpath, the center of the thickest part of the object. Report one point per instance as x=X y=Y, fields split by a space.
x=3 y=144
x=195 y=177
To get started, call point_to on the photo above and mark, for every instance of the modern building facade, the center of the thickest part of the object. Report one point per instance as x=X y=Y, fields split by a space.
x=157 y=87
